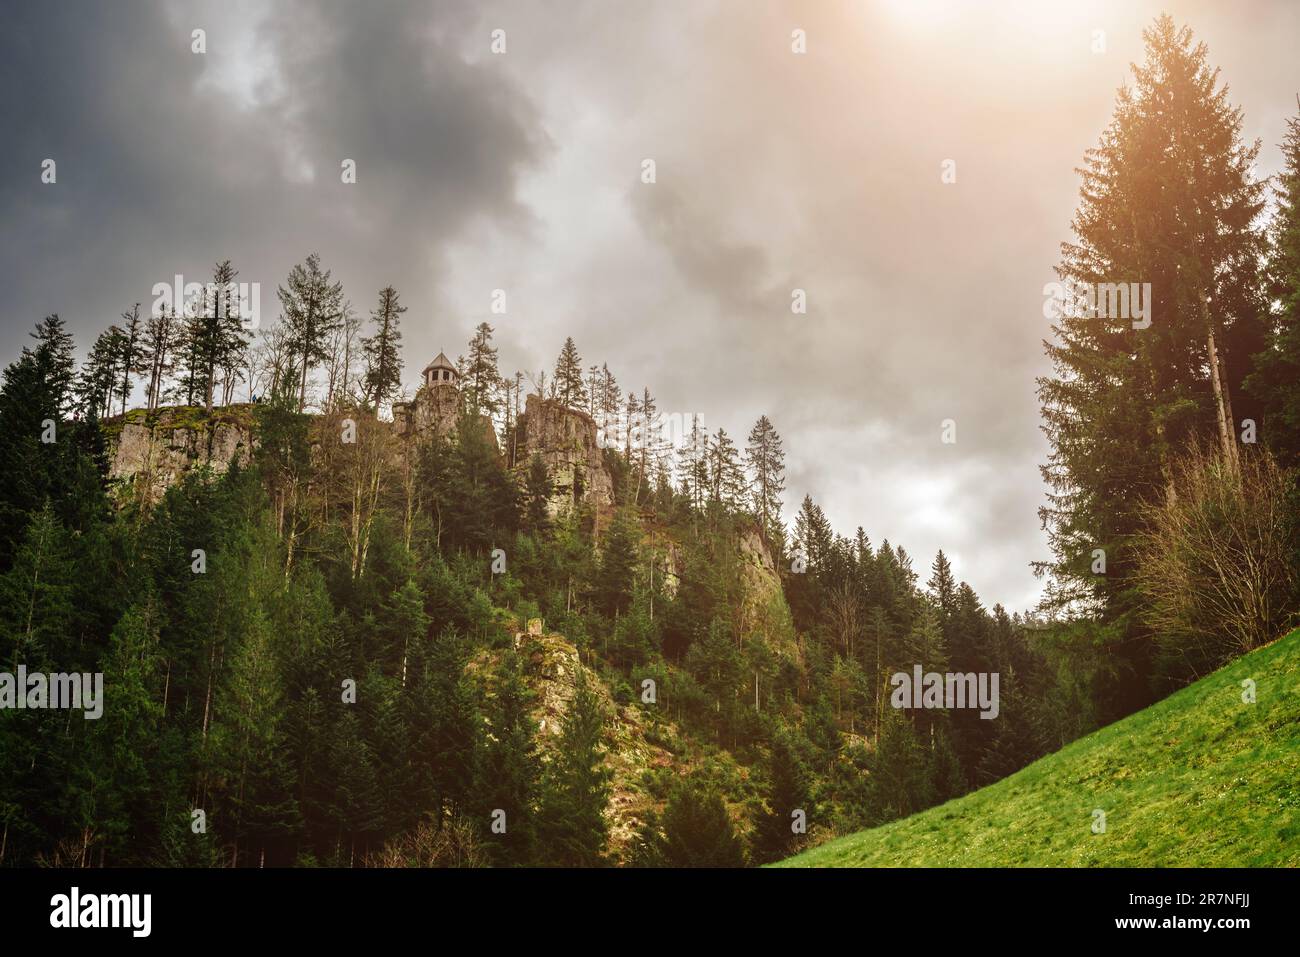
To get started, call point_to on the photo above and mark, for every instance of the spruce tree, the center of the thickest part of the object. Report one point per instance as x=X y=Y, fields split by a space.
x=382 y=350
x=787 y=793
x=1014 y=742
x=593 y=392
x=1278 y=365
x=355 y=800
x=693 y=466
x=537 y=493
x=698 y=831
x=160 y=339
x=512 y=769
x=1168 y=198
x=218 y=332
x=631 y=418
x=477 y=497
x=114 y=771
x=613 y=584
x=727 y=484
x=942 y=586
x=649 y=441
x=53 y=365
x=38 y=614
x=131 y=356
x=36 y=397
x=577 y=784
x=812 y=533
x=567 y=381
x=766 y=460
x=610 y=394
x=213 y=337
x=311 y=308
x=900 y=781
x=480 y=381
x=945 y=770
x=100 y=374
x=925 y=646
x=452 y=742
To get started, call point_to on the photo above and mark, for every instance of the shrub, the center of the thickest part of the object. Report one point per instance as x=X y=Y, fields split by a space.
x=455 y=844
x=1215 y=562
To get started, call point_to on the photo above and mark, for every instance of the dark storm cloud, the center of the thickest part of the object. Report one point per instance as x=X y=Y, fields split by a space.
x=437 y=139
x=161 y=170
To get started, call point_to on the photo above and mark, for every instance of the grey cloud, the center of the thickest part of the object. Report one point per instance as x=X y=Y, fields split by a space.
x=160 y=172
x=775 y=171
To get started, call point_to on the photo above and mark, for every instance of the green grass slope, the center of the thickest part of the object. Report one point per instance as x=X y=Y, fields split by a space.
x=1200 y=779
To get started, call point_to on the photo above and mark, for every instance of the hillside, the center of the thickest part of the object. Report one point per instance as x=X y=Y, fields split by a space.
x=1200 y=779
x=436 y=642
x=644 y=750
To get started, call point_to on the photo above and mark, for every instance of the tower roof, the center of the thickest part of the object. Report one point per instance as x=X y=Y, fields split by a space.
x=440 y=362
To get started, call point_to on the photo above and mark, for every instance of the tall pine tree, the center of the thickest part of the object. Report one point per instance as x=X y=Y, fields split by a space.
x=1167 y=199
x=312 y=309
x=383 y=349
x=568 y=382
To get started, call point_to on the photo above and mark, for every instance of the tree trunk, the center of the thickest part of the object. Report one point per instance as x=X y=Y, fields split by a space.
x=1232 y=422
x=207 y=698
x=302 y=387
x=1221 y=408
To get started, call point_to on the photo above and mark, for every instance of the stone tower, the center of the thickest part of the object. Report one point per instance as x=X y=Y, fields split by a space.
x=436 y=404
x=440 y=372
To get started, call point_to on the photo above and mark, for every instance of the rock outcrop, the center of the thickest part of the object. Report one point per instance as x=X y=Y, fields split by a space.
x=150 y=451
x=763 y=611
x=634 y=735
x=565 y=439
x=435 y=410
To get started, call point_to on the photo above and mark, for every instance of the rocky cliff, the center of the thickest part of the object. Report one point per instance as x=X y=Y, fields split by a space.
x=565 y=439
x=148 y=451
x=435 y=410
x=151 y=450
x=763 y=611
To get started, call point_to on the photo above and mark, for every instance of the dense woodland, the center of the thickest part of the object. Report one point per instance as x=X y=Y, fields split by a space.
x=371 y=561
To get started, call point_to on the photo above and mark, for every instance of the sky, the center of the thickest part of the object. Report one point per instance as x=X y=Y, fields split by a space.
x=522 y=171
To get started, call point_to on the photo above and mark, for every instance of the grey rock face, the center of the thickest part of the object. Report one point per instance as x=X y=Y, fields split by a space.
x=565 y=439
x=148 y=457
